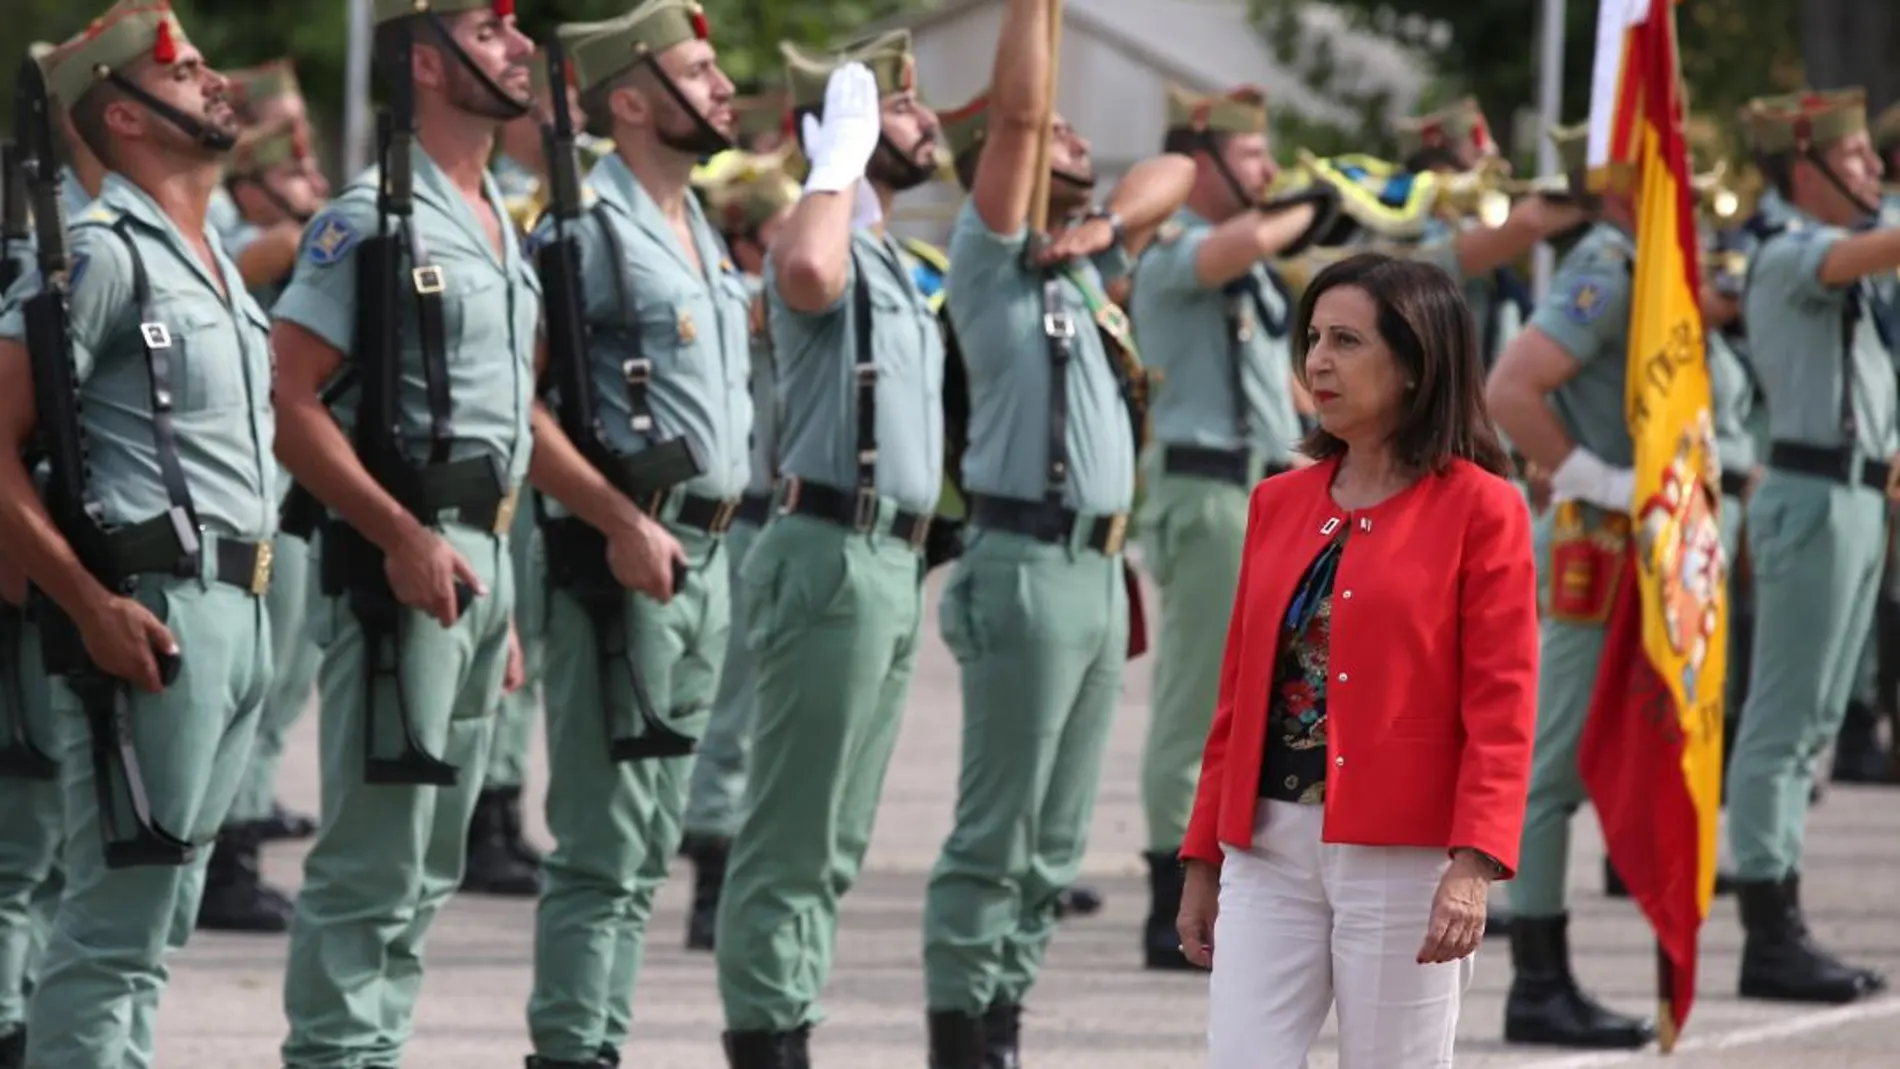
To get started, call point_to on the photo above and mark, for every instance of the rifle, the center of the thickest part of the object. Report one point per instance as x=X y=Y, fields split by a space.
x=13 y=222
x=109 y=554
x=576 y=552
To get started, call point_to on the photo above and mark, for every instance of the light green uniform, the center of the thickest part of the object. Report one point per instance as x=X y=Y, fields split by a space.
x=1587 y=315
x=715 y=796
x=617 y=824
x=1817 y=544
x=1205 y=343
x=824 y=590
x=1040 y=628
x=388 y=856
x=30 y=875
x=1733 y=391
x=98 y=991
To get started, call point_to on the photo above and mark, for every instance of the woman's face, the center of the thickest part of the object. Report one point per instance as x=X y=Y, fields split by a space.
x=1355 y=380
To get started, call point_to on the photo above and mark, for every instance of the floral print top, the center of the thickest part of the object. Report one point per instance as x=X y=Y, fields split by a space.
x=1294 y=766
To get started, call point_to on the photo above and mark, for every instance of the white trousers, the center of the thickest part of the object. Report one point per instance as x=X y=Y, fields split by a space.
x=1305 y=926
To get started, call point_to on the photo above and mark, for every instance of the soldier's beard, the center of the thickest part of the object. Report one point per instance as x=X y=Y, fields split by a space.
x=690 y=135
x=898 y=171
x=470 y=95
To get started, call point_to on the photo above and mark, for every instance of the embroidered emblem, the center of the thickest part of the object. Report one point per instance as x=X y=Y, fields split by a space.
x=1586 y=302
x=330 y=238
x=688 y=330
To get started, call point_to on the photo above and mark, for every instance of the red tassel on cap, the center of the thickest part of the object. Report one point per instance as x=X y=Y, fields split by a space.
x=700 y=29
x=504 y=8
x=164 y=49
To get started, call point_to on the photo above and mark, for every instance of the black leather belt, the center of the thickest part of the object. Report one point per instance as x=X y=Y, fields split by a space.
x=847 y=508
x=1226 y=465
x=1047 y=523
x=711 y=515
x=1734 y=483
x=754 y=508
x=245 y=565
x=1835 y=464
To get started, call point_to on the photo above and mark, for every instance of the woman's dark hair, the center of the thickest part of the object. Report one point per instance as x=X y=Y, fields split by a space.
x=1424 y=320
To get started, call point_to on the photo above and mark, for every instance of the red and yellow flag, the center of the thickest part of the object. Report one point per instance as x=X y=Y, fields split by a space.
x=1652 y=750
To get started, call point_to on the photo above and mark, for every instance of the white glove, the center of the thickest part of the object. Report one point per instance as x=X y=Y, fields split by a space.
x=840 y=146
x=1584 y=476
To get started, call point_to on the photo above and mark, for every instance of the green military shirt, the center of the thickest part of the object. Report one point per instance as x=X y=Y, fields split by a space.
x=763 y=384
x=816 y=378
x=220 y=365
x=223 y=217
x=491 y=312
x=1183 y=330
x=996 y=308
x=694 y=327
x=1733 y=392
x=1587 y=314
x=240 y=238
x=1794 y=333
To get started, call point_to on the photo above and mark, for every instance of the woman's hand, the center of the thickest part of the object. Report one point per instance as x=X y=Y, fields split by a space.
x=1200 y=904
x=1457 y=924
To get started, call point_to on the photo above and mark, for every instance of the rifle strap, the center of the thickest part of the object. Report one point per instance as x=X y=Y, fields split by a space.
x=156 y=339
x=636 y=370
x=428 y=281
x=864 y=375
x=1058 y=331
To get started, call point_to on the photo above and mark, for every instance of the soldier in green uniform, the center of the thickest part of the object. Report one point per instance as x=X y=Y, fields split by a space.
x=1557 y=391
x=1823 y=343
x=270 y=177
x=749 y=205
x=1887 y=144
x=410 y=665
x=1213 y=318
x=1036 y=609
x=836 y=579
x=668 y=315
x=173 y=365
x=31 y=878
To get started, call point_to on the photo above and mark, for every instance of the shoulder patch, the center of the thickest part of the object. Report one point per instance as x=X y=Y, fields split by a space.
x=1585 y=300
x=331 y=237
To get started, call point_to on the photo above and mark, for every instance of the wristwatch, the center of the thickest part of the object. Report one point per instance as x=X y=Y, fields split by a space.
x=1114 y=221
x=1493 y=864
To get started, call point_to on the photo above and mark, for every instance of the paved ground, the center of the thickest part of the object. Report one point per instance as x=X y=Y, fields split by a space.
x=1095 y=1008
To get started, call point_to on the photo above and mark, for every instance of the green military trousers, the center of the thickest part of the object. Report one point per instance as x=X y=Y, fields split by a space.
x=294 y=672
x=1041 y=634
x=30 y=827
x=616 y=825
x=1817 y=549
x=1730 y=519
x=387 y=857
x=514 y=718
x=96 y=1002
x=1193 y=530
x=714 y=797
x=834 y=616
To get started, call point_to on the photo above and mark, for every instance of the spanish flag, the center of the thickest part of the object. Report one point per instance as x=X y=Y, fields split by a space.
x=1652 y=750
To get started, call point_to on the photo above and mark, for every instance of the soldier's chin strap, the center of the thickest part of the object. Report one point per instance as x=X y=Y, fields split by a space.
x=1812 y=154
x=707 y=139
x=205 y=134
x=515 y=106
x=1325 y=198
x=276 y=199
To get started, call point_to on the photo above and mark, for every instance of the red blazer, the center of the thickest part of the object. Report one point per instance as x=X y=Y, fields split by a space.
x=1432 y=699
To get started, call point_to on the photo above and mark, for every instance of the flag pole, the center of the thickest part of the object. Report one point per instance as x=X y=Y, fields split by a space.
x=356 y=116
x=1039 y=198
x=1666 y=1034
x=1550 y=106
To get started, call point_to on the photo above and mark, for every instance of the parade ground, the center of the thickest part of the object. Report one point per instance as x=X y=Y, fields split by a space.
x=1095 y=1008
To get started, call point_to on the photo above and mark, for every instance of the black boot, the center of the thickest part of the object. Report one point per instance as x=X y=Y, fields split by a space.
x=956 y=1040
x=1078 y=902
x=1002 y=1036
x=709 y=854
x=510 y=806
x=491 y=867
x=1780 y=960
x=1858 y=757
x=1547 y=1007
x=535 y=1061
x=236 y=898
x=1497 y=921
x=1160 y=942
x=284 y=824
x=769 y=1050
x=13 y=1049
x=1614 y=887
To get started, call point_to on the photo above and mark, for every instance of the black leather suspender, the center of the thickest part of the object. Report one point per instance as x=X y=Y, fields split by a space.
x=155 y=338
x=432 y=336
x=636 y=369
x=864 y=373
x=1058 y=329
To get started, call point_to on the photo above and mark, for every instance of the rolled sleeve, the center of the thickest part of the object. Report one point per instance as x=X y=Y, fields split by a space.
x=1791 y=267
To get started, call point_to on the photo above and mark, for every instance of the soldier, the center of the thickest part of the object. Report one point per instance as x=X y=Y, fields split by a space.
x=750 y=207
x=1036 y=610
x=1557 y=391
x=1823 y=344
x=270 y=177
x=167 y=641
x=268 y=94
x=1214 y=317
x=667 y=312
x=837 y=577
x=418 y=466
x=1887 y=144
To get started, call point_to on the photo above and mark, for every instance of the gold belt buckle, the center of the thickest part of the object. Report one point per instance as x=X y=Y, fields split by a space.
x=722 y=516
x=1117 y=533
x=505 y=512
x=261 y=569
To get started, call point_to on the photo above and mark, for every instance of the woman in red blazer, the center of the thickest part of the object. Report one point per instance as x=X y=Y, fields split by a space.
x=1365 y=776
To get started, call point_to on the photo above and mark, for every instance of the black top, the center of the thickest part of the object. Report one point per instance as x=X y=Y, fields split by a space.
x=1293 y=768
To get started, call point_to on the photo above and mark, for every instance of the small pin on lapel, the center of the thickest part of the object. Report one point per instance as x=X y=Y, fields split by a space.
x=1331 y=525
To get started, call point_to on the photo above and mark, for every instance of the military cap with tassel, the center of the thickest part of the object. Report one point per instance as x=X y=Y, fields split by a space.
x=266 y=82
x=888 y=56
x=268 y=146
x=129 y=31
x=1799 y=122
x=1241 y=110
x=1462 y=123
x=965 y=127
x=391 y=10
x=602 y=51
